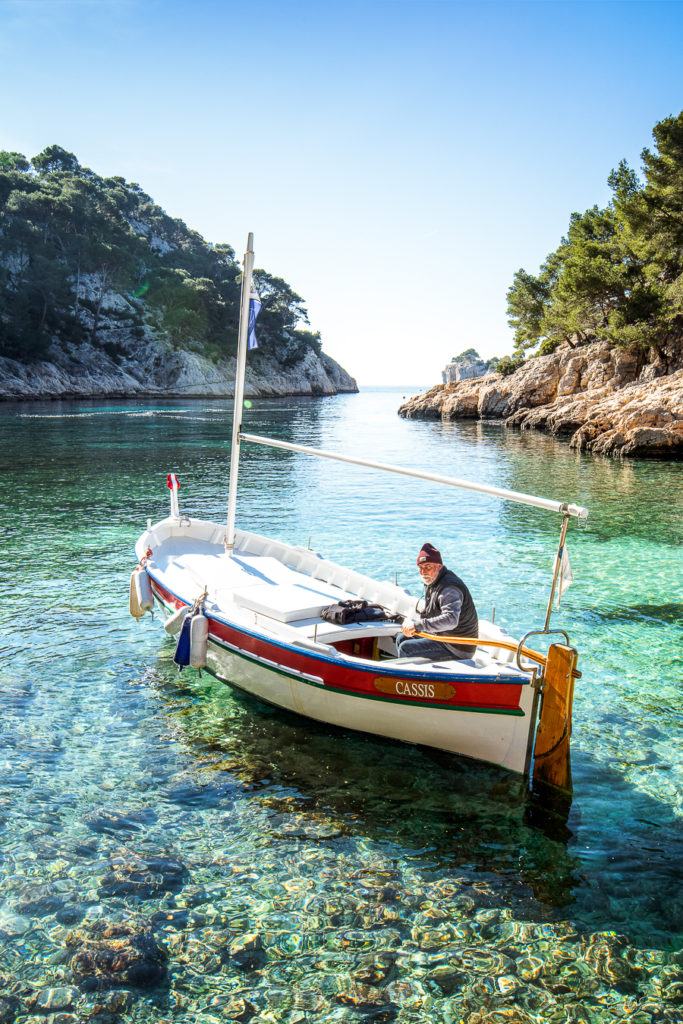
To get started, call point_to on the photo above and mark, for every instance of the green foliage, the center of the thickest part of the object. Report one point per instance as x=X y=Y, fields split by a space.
x=470 y=355
x=309 y=339
x=528 y=300
x=281 y=308
x=508 y=364
x=617 y=274
x=70 y=240
x=54 y=159
x=548 y=346
x=13 y=161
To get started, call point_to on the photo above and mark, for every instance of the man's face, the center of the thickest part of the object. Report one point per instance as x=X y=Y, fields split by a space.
x=429 y=571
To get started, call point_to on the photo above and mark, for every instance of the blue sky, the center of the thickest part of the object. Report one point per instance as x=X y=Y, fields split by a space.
x=397 y=161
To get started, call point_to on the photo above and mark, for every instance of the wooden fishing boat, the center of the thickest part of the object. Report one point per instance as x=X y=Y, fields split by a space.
x=249 y=609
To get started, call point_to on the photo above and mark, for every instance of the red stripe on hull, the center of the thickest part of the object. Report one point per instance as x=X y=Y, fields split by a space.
x=360 y=681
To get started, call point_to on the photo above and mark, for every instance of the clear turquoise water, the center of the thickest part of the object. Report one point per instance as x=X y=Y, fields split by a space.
x=384 y=882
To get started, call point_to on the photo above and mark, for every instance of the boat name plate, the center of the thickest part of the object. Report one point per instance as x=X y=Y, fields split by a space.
x=412 y=688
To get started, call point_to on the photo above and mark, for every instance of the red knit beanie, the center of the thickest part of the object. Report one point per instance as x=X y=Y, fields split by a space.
x=428 y=553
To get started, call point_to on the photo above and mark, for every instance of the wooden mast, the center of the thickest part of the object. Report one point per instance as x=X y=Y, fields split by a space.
x=239 y=393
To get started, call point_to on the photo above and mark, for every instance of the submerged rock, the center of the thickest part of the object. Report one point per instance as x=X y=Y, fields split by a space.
x=109 y=1004
x=55 y=999
x=503 y=1015
x=530 y=968
x=71 y=914
x=448 y=978
x=181 y=918
x=13 y=925
x=111 y=822
x=38 y=901
x=247 y=951
x=611 y=958
x=363 y=998
x=374 y=968
x=671 y=984
x=238 y=1009
x=9 y=1009
x=143 y=876
x=110 y=956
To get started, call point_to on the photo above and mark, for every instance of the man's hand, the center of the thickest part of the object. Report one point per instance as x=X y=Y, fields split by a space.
x=408 y=627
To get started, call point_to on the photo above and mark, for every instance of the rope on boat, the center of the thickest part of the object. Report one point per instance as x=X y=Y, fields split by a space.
x=508 y=645
x=474 y=641
x=555 y=746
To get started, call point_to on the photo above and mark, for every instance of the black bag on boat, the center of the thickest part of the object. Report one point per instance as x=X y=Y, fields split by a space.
x=356 y=611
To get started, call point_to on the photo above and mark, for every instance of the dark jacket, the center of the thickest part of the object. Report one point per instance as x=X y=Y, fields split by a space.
x=449 y=610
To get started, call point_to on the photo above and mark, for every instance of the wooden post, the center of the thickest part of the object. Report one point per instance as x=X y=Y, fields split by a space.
x=551 y=749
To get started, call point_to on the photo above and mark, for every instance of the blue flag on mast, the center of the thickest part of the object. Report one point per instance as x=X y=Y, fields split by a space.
x=254 y=310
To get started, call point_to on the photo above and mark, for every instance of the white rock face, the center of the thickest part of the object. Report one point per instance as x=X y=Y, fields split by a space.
x=159 y=370
x=455 y=371
x=608 y=401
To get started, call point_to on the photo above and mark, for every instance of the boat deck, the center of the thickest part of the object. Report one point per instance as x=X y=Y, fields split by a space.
x=279 y=591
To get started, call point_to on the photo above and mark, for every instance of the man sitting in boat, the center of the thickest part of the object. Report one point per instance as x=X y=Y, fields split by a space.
x=448 y=611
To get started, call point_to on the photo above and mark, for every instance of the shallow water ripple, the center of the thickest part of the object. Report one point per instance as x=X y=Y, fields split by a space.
x=172 y=853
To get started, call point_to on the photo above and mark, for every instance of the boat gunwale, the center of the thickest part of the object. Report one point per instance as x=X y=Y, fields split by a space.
x=372 y=669
x=484 y=709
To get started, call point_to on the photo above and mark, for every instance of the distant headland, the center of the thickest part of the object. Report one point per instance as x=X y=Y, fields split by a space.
x=103 y=294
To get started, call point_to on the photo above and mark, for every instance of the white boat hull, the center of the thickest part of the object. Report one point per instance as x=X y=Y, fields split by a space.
x=500 y=739
x=267 y=638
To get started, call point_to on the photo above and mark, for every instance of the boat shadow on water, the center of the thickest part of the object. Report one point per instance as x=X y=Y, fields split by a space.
x=446 y=812
x=533 y=847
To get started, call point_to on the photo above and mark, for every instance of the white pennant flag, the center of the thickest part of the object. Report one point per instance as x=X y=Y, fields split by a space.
x=565 y=578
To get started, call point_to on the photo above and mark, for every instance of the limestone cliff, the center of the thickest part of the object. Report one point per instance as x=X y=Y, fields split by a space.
x=154 y=368
x=103 y=294
x=607 y=400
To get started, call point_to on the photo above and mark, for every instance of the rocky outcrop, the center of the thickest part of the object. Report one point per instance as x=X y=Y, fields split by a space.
x=456 y=371
x=156 y=369
x=607 y=400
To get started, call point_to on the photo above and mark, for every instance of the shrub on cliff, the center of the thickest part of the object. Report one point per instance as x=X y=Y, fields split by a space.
x=507 y=365
x=618 y=273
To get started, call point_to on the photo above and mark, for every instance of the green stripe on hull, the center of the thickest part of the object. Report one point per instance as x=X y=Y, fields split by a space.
x=514 y=712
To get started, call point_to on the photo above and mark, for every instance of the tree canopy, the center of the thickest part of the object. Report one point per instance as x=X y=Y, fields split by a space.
x=70 y=241
x=618 y=273
x=470 y=355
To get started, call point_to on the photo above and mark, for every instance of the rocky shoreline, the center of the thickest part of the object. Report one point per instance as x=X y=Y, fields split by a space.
x=155 y=370
x=606 y=400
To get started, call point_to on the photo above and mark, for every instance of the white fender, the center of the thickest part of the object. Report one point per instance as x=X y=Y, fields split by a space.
x=141 y=597
x=174 y=622
x=199 y=635
x=133 y=602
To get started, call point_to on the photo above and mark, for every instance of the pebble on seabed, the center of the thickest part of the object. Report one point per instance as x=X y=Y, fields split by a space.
x=56 y=998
